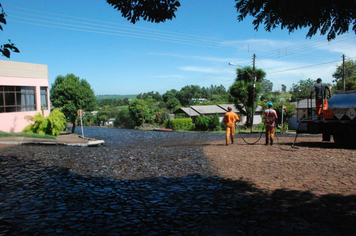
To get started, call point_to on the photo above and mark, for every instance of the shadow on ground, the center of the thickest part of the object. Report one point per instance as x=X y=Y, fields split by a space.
x=41 y=200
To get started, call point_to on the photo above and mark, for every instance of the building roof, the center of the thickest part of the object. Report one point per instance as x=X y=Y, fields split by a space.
x=209 y=109
x=224 y=106
x=187 y=110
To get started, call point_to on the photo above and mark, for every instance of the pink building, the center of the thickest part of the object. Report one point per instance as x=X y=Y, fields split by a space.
x=23 y=91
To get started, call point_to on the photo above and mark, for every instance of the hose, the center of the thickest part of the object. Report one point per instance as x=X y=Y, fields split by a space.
x=253 y=142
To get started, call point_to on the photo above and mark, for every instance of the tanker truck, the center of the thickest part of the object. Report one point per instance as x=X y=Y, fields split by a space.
x=338 y=120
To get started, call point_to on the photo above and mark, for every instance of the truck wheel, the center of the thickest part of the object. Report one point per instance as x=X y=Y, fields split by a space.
x=344 y=135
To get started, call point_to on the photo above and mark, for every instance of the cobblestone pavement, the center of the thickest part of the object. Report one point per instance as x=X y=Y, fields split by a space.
x=203 y=188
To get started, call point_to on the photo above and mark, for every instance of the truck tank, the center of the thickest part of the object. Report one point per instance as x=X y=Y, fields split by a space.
x=338 y=120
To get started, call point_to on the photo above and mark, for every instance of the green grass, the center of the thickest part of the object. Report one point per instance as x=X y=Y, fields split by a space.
x=29 y=135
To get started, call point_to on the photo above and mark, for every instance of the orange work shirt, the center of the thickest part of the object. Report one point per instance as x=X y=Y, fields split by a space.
x=230 y=118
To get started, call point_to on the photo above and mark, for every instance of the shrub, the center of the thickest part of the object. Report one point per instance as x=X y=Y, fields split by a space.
x=202 y=123
x=53 y=124
x=180 y=124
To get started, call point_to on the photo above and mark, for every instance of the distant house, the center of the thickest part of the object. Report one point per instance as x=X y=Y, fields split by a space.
x=210 y=110
x=303 y=109
x=199 y=100
x=110 y=122
x=23 y=92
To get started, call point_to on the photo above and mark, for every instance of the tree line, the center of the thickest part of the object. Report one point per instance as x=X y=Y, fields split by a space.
x=70 y=93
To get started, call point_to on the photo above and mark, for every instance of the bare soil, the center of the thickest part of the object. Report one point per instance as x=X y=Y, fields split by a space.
x=312 y=165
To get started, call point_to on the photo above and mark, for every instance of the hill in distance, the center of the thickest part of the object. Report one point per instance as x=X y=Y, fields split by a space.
x=115 y=96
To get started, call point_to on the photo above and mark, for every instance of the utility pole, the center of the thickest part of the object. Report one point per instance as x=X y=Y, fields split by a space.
x=143 y=121
x=343 y=69
x=254 y=89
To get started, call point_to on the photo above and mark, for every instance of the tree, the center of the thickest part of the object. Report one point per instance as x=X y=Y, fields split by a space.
x=7 y=48
x=267 y=86
x=170 y=99
x=139 y=112
x=331 y=17
x=188 y=92
x=350 y=75
x=243 y=92
x=123 y=119
x=301 y=90
x=153 y=10
x=284 y=88
x=71 y=94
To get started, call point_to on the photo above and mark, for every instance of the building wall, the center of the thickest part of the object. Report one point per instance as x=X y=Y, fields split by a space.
x=22 y=74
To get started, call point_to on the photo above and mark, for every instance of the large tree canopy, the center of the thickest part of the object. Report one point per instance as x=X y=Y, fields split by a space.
x=71 y=94
x=152 y=10
x=331 y=17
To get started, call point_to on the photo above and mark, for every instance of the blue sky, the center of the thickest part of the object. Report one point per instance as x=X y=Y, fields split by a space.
x=91 y=40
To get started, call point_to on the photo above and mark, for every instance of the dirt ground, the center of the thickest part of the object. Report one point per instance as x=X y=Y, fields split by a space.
x=312 y=165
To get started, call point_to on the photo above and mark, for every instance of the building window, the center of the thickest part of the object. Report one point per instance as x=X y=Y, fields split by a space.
x=44 y=104
x=17 y=99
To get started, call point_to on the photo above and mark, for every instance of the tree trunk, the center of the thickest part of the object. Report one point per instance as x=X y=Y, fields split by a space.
x=248 y=120
x=74 y=125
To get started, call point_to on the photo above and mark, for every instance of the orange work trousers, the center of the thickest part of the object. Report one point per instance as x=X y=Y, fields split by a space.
x=269 y=134
x=230 y=131
x=321 y=104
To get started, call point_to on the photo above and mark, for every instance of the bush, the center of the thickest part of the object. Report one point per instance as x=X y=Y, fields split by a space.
x=180 y=124
x=204 y=123
x=260 y=126
x=53 y=124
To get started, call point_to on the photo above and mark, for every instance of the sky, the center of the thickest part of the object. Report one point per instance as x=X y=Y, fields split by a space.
x=91 y=40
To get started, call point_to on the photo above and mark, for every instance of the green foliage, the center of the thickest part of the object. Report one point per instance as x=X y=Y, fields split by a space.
x=100 y=98
x=244 y=94
x=267 y=86
x=9 y=47
x=53 y=124
x=25 y=134
x=103 y=118
x=302 y=89
x=204 y=123
x=350 y=76
x=139 y=112
x=180 y=124
x=123 y=119
x=260 y=126
x=328 y=17
x=71 y=94
x=154 y=10
x=215 y=124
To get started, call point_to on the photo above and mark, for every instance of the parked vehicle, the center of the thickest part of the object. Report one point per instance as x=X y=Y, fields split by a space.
x=338 y=120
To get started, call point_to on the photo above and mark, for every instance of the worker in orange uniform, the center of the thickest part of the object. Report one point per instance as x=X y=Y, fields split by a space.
x=321 y=103
x=270 y=116
x=230 y=119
